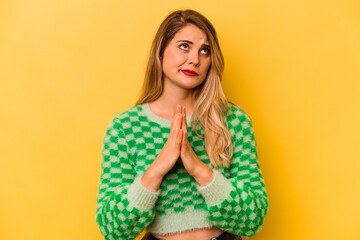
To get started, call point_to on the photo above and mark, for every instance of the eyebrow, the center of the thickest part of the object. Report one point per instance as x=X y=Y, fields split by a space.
x=190 y=42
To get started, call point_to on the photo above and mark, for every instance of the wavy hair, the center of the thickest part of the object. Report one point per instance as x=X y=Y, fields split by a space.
x=209 y=101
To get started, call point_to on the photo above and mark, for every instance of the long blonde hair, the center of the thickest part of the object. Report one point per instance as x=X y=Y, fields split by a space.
x=210 y=103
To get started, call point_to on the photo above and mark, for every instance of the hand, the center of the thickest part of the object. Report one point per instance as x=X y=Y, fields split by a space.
x=176 y=146
x=170 y=153
x=167 y=157
x=193 y=165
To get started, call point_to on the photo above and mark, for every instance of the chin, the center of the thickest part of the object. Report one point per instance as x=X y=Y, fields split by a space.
x=190 y=85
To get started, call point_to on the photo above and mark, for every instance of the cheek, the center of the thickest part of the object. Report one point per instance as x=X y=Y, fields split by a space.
x=173 y=58
x=206 y=64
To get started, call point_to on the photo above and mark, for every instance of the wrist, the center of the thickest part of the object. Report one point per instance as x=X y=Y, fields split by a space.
x=151 y=179
x=203 y=175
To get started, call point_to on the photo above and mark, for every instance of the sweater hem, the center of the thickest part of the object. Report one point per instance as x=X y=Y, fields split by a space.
x=179 y=222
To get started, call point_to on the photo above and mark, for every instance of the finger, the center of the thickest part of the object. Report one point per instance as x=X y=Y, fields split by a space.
x=175 y=121
x=184 y=124
x=178 y=122
x=179 y=112
x=184 y=138
x=176 y=110
x=179 y=137
x=175 y=130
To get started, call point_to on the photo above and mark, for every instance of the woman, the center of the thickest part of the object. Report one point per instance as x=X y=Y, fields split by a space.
x=181 y=163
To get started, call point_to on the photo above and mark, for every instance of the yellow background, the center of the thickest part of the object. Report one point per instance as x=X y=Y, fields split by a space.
x=68 y=67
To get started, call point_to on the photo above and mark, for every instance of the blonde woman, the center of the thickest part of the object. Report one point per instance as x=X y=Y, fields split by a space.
x=181 y=163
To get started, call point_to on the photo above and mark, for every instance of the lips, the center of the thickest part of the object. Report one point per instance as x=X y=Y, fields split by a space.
x=189 y=72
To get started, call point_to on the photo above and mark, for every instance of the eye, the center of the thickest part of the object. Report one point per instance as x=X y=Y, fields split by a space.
x=184 y=46
x=206 y=51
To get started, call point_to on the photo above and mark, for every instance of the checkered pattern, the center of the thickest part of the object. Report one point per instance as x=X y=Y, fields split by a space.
x=132 y=142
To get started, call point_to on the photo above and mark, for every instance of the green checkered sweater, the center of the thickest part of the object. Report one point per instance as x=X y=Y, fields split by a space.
x=235 y=200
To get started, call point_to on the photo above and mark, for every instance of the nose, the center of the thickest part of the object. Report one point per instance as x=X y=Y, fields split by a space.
x=193 y=58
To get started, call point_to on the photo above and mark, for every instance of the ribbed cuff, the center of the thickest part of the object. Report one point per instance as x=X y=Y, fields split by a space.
x=141 y=197
x=217 y=190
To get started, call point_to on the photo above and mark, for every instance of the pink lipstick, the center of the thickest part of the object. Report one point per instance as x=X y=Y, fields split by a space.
x=189 y=72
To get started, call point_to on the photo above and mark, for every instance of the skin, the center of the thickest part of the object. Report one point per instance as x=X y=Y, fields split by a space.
x=174 y=103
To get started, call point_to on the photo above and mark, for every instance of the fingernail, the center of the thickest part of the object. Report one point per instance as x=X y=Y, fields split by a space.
x=178 y=107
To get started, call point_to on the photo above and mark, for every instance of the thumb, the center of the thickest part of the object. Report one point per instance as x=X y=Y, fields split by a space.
x=179 y=138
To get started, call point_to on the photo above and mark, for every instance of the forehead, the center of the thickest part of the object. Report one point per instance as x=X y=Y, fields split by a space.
x=192 y=33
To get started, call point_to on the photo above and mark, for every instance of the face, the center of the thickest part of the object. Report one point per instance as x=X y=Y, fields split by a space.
x=186 y=58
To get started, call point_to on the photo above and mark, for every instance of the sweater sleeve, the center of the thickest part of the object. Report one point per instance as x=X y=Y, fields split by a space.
x=124 y=206
x=238 y=204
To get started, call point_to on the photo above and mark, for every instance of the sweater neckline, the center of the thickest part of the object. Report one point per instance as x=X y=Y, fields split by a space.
x=160 y=120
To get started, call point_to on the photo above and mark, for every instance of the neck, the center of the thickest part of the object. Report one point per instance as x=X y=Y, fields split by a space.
x=172 y=96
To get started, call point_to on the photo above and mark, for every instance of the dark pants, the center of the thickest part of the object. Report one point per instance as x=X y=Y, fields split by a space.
x=221 y=236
